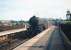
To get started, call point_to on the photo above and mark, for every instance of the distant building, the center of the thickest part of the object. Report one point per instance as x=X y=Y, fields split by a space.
x=6 y=23
x=43 y=22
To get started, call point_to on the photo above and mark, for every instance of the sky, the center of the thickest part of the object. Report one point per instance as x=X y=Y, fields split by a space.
x=24 y=9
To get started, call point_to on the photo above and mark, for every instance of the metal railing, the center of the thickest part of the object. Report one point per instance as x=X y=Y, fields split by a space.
x=67 y=42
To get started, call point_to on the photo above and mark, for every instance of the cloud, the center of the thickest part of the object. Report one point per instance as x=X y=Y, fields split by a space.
x=24 y=9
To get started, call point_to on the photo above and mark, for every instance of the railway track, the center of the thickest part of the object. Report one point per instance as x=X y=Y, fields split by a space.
x=12 y=45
